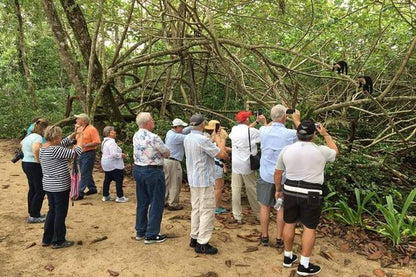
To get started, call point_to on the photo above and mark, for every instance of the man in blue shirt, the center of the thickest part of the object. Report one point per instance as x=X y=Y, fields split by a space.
x=273 y=138
x=172 y=165
x=200 y=152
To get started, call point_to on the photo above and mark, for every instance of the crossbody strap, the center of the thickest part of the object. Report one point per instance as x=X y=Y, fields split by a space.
x=249 y=141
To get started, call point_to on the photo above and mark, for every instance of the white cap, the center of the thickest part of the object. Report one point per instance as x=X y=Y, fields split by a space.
x=178 y=122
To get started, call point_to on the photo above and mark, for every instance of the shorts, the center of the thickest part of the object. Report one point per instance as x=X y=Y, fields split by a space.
x=218 y=172
x=266 y=192
x=302 y=209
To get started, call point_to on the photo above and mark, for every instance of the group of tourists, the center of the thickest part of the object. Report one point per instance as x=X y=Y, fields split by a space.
x=291 y=168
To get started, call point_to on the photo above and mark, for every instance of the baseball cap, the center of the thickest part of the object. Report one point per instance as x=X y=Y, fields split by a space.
x=243 y=115
x=211 y=124
x=306 y=128
x=178 y=122
x=83 y=116
x=196 y=119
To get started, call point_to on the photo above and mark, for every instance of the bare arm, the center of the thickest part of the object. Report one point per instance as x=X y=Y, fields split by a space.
x=221 y=145
x=328 y=139
x=278 y=182
x=35 y=150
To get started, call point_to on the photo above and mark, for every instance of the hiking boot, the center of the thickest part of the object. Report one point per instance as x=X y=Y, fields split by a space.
x=122 y=199
x=193 y=243
x=279 y=243
x=107 y=198
x=310 y=270
x=91 y=192
x=35 y=219
x=264 y=241
x=64 y=244
x=288 y=262
x=174 y=208
x=155 y=239
x=205 y=249
x=220 y=210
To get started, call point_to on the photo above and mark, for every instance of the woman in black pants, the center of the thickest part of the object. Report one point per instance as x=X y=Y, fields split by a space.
x=57 y=183
x=31 y=167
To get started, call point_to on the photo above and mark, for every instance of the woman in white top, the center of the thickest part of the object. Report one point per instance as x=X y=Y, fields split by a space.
x=31 y=167
x=113 y=165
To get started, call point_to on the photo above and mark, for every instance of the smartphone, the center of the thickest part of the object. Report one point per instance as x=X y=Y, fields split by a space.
x=290 y=111
x=259 y=112
x=317 y=126
x=217 y=127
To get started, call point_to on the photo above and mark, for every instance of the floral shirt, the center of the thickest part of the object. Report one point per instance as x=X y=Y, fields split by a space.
x=148 y=148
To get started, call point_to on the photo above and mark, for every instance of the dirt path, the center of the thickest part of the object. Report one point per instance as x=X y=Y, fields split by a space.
x=91 y=218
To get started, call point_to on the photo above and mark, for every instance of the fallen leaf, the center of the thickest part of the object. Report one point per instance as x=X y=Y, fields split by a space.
x=347 y=262
x=345 y=248
x=402 y=274
x=327 y=255
x=277 y=269
x=249 y=239
x=231 y=226
x=30 y=245
x=79 y=242
x=112 y=273
x=379 y=272
x=363 y=275
x=386 y=262
x=375 y=256
x=168 y=227
x=292 y=273
x=87 y=203
x=99 y=239
x=5 y=186
x=209 y=274
x=181 y=217
x=3 y=238
x=172 y=236
x=251 y=249
x=228 y=263
x=242 y=265
x=95 y=227
x=49 y=267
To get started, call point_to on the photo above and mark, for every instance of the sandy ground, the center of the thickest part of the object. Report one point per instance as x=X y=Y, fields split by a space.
x=21 y=253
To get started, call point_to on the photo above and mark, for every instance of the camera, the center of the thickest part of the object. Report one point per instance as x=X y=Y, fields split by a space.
x=217 y=127
x=259 y=112
x=290 y=111
x=17 y=156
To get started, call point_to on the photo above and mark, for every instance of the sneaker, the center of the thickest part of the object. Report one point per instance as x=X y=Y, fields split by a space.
x=122 y=199
x=66 y=243
x=139 y=237
x=310 y=270
x=193 y=243
x=264 y=241
x=45 y=244
x=36 y=219
x=205 y=249
x=80 y=197
x=91 y=192
x=279 y=243
x=107 y=198
x=288 y=262
x=220 y=210
x=155 y=239
x=174 y=208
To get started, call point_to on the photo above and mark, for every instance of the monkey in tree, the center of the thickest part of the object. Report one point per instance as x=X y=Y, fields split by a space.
x=366 y=83
x=341 y=67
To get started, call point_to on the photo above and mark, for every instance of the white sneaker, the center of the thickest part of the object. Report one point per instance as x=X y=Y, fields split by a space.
x=122 y=199
x=107 y=198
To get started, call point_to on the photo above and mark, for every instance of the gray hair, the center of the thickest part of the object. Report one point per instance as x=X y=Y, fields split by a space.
x=52 y=132
x=142 y=118
x=107 y=130
x=278 y=112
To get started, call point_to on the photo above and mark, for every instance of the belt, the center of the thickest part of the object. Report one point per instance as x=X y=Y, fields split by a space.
x=219 y=164
x=301 y=187
x=151 y=166
x=88 y=151
x=173 y=159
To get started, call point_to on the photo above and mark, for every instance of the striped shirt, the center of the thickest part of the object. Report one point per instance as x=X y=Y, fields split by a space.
x=54 y=163
x=148 y=148
x=200 y=152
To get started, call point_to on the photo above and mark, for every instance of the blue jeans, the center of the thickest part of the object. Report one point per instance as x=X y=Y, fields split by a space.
x=116 y=175
x=55 y=229
x=86 y=165
x=35 y=194
x=150 y=194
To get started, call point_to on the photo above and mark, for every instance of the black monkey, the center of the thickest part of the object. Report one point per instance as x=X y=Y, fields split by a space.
x=341 y=67
x=366 y=83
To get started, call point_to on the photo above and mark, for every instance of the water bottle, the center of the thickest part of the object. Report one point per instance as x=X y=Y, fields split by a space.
x=279 y=204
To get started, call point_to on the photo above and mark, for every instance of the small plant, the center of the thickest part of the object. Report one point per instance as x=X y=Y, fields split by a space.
x=397 y=224
x=352 y=216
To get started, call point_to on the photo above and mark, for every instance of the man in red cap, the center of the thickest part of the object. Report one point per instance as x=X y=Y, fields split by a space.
x=241 y=172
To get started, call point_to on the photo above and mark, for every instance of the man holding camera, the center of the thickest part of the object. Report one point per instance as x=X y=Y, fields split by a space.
x=273 y=138
x=240 y=164
x=304 y=163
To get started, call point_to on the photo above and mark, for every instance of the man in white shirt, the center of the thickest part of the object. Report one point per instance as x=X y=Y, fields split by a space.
x=304 y=164
x=241 y=172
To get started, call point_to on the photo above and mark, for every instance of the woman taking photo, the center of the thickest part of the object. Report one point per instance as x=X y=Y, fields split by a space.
x=57 y=183
x=31 y=167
